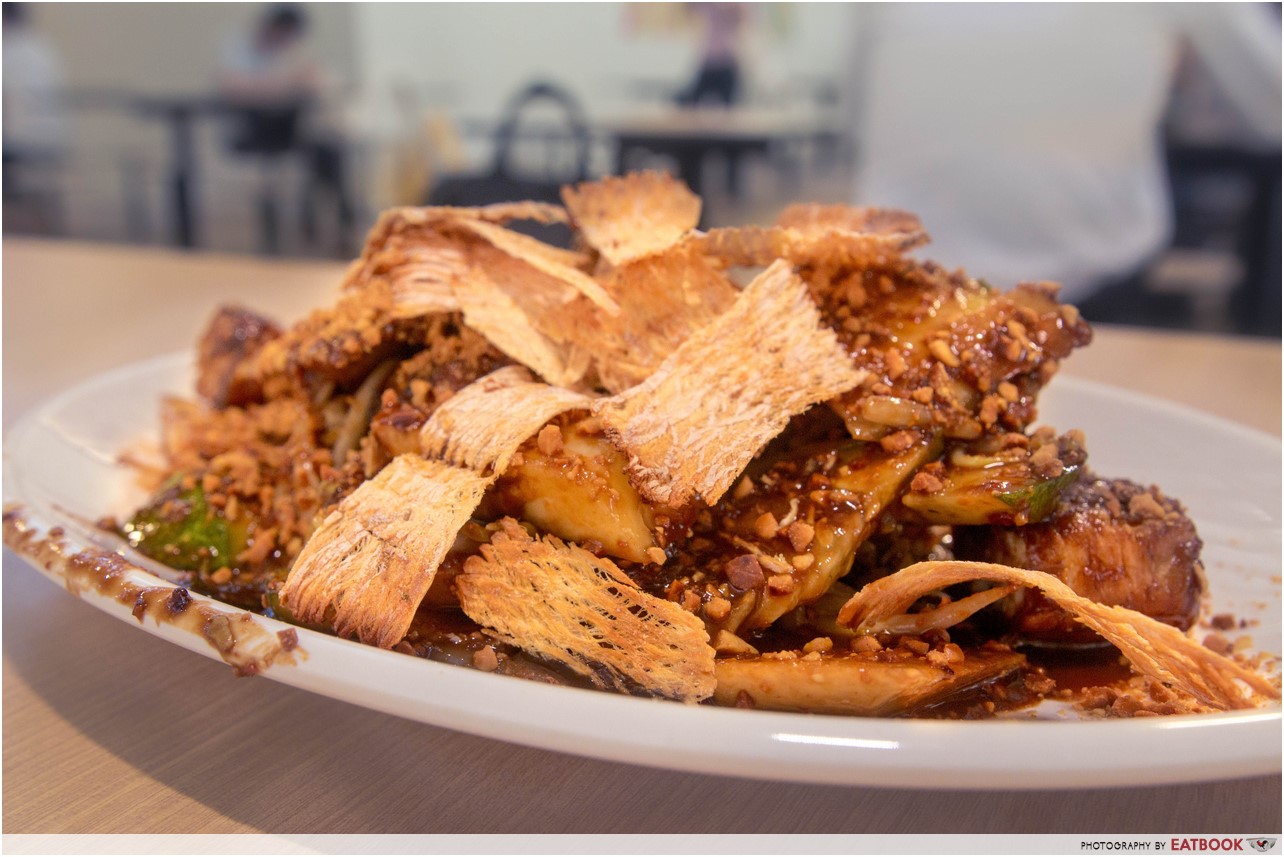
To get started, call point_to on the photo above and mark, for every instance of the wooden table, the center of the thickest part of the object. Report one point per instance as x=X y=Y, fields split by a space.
x=107 y=729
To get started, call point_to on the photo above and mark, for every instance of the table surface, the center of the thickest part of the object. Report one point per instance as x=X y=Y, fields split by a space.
x=109 y=730
x=715 y=123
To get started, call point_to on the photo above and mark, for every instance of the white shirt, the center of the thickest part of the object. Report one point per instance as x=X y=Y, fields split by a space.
x=1026 y=136
x=252 y=74
x=34 y=119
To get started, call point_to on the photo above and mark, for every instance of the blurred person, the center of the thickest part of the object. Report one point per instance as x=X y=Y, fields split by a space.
x=719 y=76
x=34 y=119
x=719 y=79
x=1027 y=136
x=34 y=123
x=275 y=89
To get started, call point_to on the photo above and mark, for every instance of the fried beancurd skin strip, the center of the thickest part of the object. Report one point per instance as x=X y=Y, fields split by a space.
x=499 y=212
x=855 y=220
x=510 y=287
x=1156 y=650
x=564 y=604
x=408 y=226
x=827 y=236
x=664 y=298
x=633 y=216
x=715 y=402
x=372 y=559
x=419 y=255
x=854 y=684
x=482 y=425
x=421 y=274
x=522 y=312
x=548 y=260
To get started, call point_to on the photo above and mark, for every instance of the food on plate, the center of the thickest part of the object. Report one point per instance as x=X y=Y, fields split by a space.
x=790 y=467
x=1113 y=541
x=1156 y=649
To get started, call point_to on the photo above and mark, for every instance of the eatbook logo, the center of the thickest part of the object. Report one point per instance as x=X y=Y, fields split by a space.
x=1261 y=844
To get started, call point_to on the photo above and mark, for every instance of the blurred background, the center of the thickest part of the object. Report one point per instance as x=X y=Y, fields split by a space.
x=1131 y=152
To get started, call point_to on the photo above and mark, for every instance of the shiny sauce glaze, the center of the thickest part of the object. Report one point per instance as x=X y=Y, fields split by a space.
x=240 y=639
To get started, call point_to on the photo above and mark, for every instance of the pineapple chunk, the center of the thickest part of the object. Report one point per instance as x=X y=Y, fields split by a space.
x=854 y=683
x=570 y=481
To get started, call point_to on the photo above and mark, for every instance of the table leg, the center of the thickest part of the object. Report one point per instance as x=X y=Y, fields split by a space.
x=183 y=168
x=691 y=165
x=689 y=159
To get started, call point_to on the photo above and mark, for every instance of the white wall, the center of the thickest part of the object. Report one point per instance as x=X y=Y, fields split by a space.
x=470 y=57
x=170 y=47
x=465 y=60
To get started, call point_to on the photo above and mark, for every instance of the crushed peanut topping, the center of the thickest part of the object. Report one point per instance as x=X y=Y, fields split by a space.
x=781 y=583
x=717 y=609
x=800 y=534
x=819 y=644
x=744 y=572
x=485 y=659
x=550 y=440
x=765 y=526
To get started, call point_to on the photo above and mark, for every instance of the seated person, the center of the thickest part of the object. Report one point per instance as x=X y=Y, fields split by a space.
x=271 y=84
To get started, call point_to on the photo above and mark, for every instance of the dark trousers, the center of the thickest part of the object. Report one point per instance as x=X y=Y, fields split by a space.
x=717 y=82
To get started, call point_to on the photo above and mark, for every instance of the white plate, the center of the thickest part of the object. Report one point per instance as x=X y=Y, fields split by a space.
x=60 y=463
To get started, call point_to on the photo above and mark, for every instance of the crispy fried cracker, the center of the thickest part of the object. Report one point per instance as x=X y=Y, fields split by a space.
x=372 y=560
x=412 y=219
x=422 y=253
x=895 y=224
x=513 y=289
x=421 y=277
x=664 y=298
x=820 y=234
x=563 y=603
x=632 y=216
x=1156 y=650
x=549 y=260
x=482 y=425
x=692 y=426
x=515 y=319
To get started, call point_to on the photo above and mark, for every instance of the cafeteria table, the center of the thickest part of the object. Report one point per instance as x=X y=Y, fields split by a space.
x=180 y=114
x=111 y=730
x=689 y=135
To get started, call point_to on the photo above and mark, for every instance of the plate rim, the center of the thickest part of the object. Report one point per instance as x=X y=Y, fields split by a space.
x=821 y=749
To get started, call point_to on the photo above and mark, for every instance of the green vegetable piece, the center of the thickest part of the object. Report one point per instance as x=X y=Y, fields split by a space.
x=1041 y=498
x=999 y=492
x=179 y=529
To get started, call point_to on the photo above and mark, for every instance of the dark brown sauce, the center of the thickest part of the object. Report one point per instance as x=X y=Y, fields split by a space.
x=1076 y=669
x=239 y=638
x=1062 y=674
